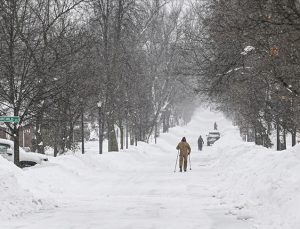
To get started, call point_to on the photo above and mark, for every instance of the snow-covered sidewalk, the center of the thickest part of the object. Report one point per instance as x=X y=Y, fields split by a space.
x=137 y=188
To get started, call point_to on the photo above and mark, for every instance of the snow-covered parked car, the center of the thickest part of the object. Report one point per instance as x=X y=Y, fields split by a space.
x=26 y=158
x=212 y=137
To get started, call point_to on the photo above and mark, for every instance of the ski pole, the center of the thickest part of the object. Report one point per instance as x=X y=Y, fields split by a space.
x=190 y=162
x=176 y=162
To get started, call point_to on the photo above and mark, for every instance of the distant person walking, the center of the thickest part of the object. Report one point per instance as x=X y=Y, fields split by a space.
x=185 y=151
x=215 y=126
x=200 y=143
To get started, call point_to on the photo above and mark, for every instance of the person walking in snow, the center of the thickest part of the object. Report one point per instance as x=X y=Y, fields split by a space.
x=215 y=126
x=200 y=143
x=185 y=151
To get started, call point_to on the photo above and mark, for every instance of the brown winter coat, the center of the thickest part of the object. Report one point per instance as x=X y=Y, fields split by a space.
x=184 y=148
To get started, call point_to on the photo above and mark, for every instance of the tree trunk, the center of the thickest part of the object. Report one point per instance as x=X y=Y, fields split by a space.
x=16 y=145
x=294 y=135
x=166 y=121
x=70 y=136
x=132 y=135
x=55 y=144
x=247 y=135
x=112 y=139
x=278 y=135
x=255 y=136
x=121 y=135
x=135 y=137
x=59 y=128
x=39 y=141
x=155 y=133
x=127 y=132
x=284 y=140
x=140 y=132
x=63 y=124
x=38 y=133
x=102 y=130
x=82 y=132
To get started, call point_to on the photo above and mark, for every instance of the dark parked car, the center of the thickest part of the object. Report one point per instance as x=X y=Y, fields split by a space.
x=26 y=158
x=212 y=137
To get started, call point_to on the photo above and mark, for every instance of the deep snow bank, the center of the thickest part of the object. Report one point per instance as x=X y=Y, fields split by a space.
x=16 y=196
x=258 y=183
x=62 y=179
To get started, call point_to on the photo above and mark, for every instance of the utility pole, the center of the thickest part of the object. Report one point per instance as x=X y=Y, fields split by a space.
x=82 y=131
x=99 y=105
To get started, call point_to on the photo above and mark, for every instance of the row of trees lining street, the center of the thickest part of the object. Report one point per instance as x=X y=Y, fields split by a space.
x=246 y=54
x=59 y=59
x=134 y=65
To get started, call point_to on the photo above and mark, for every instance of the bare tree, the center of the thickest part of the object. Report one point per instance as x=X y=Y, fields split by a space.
x=30 y=41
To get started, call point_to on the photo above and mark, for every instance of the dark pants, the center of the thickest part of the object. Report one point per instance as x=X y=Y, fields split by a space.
x=183 y=160
x=200 y=147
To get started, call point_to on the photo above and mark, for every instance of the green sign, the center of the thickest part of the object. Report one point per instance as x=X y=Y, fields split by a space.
x=9 y=119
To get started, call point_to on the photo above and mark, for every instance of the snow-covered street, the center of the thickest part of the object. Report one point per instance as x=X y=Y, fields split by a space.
x=145 y=193
x=137 y=188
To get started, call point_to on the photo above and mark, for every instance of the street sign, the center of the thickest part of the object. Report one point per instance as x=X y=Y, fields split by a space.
x=10 y=119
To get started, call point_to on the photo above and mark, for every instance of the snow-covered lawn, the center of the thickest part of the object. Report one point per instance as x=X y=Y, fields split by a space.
x=232 y=185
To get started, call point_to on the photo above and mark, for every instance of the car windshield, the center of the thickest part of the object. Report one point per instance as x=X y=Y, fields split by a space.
x=214 y=134
x=3 y=148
